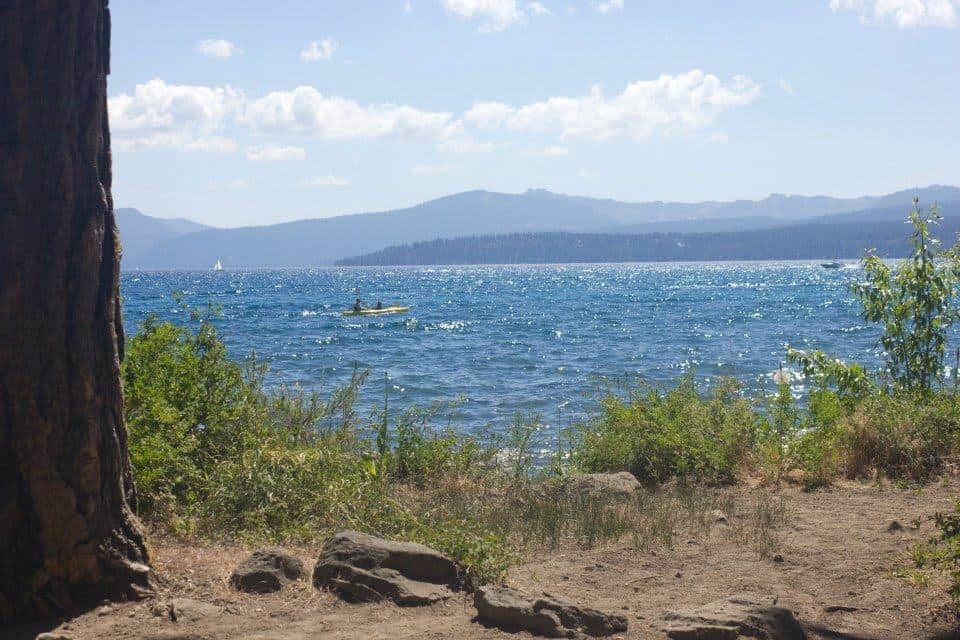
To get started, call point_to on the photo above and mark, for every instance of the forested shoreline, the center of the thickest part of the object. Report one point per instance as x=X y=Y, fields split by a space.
x=829 y=238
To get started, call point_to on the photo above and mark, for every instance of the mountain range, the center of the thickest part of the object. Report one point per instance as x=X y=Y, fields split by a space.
x=156 y=243
x=825 y=237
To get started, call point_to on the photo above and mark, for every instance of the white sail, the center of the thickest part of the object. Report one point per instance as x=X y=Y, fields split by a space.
x=218 y=266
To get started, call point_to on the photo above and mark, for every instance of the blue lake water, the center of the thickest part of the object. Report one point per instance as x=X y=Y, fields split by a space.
x=536 y=339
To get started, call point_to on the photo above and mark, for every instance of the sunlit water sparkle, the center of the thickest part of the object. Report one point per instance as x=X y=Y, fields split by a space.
x=536 y=339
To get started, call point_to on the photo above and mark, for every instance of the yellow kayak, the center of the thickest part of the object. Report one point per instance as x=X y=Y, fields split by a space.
x=375 y=312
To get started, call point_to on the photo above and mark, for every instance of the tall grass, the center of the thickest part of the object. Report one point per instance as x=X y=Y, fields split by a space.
x=218 y=455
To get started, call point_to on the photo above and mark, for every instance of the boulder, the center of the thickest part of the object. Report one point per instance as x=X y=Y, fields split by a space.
x=189 y=610
x=265 y=571
x=618 y=487
x=546 y=615
x=733 y=618
x=363 y=568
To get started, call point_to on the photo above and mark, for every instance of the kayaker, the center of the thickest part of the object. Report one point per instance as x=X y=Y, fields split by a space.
x=358 y=305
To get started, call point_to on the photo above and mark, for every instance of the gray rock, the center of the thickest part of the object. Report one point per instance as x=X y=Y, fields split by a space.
x=547 y=615
x=611 y=486
x=732 y=618
x=363 y=568
x=189 y=610
x=54 y=635
x=265 y=571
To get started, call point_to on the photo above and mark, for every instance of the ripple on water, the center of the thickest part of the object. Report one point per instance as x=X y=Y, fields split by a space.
x=522 y=338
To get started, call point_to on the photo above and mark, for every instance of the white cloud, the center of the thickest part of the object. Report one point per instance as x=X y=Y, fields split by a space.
x=305 y=110
x=178 y=140
x=465 y=146
x=221 y=49
x=432 y=169
x=238 y=184
x=903 y=13
x=609 y=6
x=488 y=115
x=787 y=87
x=319 y=50
x=326 y=181
x=553 y=151
x=158 y=115
x=494 y=15
x=682 y=102
x=719 y=137
x=537 y=9
x=586 y=174
x=270 y=152
x=408 y=7
x=158 y=106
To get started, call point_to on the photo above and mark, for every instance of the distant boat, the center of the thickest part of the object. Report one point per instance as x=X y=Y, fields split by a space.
x=833 y=264
x=218 y=266
x=375 y=312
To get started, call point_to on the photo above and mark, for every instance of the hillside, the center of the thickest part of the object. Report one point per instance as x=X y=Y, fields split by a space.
x=474 y=213
x=140 y=232
x=845 y=236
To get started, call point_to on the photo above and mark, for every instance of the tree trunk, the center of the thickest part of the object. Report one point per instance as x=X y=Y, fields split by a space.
x=68 y=534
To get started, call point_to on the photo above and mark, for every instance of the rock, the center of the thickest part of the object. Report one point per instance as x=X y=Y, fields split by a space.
x=835 y=608
x=265 y=571
x=732 y=618
x=719 y=517
x=547 y=615
x=363 y=568
x=189 y=610
x=510 y=609
x=894 y=527
x=617 y=487
x=54 y=635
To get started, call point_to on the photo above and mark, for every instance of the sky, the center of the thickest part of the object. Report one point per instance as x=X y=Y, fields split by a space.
x=248 y=112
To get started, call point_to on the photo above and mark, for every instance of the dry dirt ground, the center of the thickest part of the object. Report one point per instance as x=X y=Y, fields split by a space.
x=835 y=564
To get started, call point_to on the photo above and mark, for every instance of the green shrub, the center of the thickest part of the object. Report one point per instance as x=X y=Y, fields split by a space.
x=421 y=454
x=778 y=430
x=215 y=454
x=661 y=435
x=916 y=304
x=900 y=421
x=817 y=450
x=896 y=435
x=901 y=435
x=942 y=553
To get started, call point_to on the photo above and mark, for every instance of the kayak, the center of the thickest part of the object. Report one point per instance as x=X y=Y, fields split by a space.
x=375 y=312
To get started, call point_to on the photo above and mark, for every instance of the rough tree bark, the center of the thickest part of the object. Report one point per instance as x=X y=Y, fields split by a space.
x=68 y=535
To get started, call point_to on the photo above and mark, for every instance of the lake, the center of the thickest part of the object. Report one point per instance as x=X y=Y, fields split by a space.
x=535 y=339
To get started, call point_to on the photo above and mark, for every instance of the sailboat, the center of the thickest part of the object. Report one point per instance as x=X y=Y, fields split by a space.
x=218 y=266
